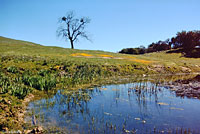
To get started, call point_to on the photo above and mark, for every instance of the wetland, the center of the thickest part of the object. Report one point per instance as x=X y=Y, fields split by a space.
x=145 y=105
x=59 y=90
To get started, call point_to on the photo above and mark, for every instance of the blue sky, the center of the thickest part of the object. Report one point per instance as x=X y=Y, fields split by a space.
x=115 y=24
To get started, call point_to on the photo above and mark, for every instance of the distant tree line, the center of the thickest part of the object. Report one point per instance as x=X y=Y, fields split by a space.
x=188 y=43
x=138 y=50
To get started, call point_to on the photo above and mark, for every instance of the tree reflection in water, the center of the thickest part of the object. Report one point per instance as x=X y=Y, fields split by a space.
x=143 y=106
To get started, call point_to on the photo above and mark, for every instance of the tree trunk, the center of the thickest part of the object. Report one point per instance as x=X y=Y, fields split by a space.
x=72 y=44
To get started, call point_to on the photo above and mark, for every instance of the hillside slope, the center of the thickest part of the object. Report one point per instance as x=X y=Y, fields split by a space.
x=160 y=61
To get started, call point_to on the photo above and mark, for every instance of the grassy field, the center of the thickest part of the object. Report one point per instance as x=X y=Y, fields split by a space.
x=10 y=47
x=28 y=68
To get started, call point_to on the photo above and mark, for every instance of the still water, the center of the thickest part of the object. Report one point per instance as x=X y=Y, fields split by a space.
x=138 y=107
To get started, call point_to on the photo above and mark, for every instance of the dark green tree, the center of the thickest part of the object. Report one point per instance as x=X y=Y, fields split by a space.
x=189 y=42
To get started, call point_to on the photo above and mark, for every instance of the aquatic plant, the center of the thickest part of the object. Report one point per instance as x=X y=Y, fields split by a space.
x=10 y=86
x=40 y=82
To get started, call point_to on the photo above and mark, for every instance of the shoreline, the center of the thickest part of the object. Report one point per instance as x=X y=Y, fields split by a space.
x=19 y=119
x=111 y=84
x=126 y=80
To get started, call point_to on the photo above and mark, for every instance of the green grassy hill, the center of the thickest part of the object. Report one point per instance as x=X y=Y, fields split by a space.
x=18 y=48
x=10 y=47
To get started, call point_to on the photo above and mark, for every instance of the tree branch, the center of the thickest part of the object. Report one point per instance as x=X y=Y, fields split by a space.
x=72 y=28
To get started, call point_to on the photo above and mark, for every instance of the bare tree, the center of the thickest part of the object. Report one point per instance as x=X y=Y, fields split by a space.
x=72 y=28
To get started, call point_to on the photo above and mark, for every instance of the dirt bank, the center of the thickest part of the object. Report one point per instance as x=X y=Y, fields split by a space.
x=12 y=112
x=187 y=88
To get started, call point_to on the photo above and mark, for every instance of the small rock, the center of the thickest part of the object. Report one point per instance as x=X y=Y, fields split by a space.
x=126 y=131
x=40 y=129
x=36 y=130
x=27 y=131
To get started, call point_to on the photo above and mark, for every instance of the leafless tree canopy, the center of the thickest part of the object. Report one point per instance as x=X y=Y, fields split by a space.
x=72 y=28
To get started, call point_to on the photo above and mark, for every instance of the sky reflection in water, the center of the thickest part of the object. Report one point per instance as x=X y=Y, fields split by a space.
x=141 y=107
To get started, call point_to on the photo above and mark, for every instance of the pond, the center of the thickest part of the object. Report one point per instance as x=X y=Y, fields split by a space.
x=135 y=107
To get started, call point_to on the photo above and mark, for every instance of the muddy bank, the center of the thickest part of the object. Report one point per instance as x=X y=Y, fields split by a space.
x=187 y=88
x=12 y=113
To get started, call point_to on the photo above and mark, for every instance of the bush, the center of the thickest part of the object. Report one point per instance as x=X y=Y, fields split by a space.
x=133 y=51
x=195 y=53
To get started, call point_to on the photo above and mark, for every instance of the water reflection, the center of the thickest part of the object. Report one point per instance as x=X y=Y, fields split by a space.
x=138 y=107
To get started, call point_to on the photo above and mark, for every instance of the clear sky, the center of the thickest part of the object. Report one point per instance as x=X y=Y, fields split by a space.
x=115 y=24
